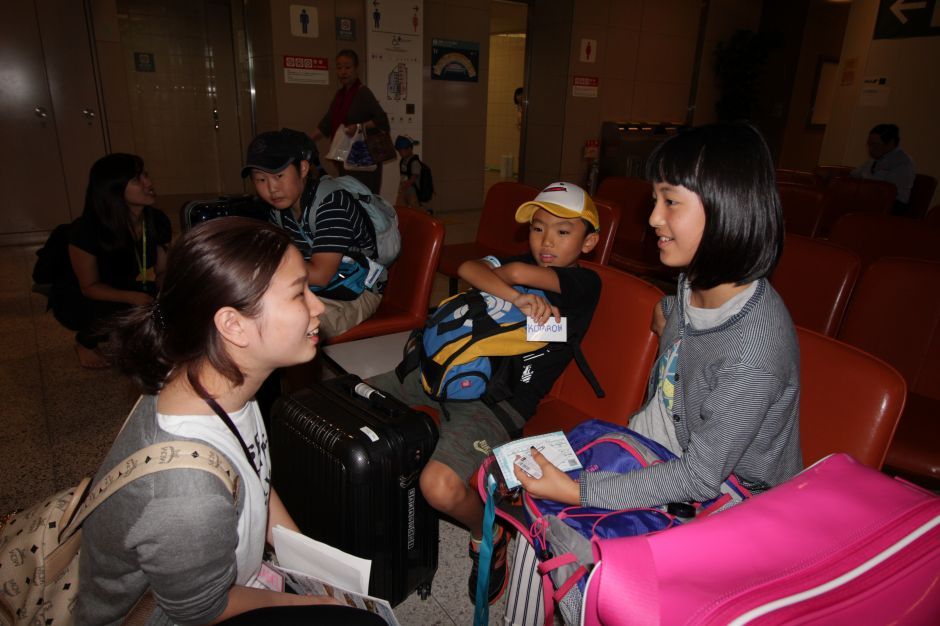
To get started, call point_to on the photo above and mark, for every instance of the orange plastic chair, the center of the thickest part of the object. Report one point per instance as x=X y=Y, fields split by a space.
x=878 y=236
x=410 y=278
x=497 y=234
x=620 y=348
x=894 y=314
x=802 y=208
x=610 y=215
x=815 y=279
x=850 y=401
x=855 y=195
x=798 y=177
x=921 y=194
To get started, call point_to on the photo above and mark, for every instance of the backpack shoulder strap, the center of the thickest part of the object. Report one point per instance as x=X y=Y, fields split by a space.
x=581 y=360
x=158 y=457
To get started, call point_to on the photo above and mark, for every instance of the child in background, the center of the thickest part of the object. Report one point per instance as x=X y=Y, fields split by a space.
x=724 y=393
x=563 y=226
x=410 y=169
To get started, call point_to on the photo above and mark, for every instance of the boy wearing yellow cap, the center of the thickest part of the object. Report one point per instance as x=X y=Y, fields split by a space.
x=563 y=225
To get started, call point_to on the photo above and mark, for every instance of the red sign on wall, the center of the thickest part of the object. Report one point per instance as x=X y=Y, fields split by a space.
x=306 y=63
x=306 y=70
x=584 y=86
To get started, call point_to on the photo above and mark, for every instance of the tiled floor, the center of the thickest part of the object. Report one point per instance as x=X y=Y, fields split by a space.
x=59 y=419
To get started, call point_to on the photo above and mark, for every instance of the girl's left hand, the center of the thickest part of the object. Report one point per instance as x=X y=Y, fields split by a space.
x=554 y=483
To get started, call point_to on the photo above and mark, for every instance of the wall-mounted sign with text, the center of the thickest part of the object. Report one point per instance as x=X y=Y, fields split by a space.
x=306 y=70
x=584 y=86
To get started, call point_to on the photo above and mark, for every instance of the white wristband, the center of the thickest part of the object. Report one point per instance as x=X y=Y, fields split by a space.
x=492 y=260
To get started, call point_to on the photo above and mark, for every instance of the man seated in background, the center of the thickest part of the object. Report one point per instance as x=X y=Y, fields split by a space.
x=889 y=163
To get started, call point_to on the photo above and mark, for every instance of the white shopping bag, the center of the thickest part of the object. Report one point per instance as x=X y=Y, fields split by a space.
x=342 y=142
x=358 y=158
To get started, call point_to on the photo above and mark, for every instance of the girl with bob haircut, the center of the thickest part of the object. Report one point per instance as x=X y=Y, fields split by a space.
x=234 y=307
x=117 y=250
x=724 y=393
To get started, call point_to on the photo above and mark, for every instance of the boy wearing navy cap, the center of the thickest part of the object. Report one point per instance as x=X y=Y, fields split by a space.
x=409 y=167
x=564 y=225
x=338 y=243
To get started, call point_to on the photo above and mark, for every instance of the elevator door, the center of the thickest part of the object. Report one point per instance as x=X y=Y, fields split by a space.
x=31 y=174
x=180 y=65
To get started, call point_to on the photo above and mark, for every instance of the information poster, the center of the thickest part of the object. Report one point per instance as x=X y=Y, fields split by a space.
x=393 y=44
x=455 y=60
x=306 y=70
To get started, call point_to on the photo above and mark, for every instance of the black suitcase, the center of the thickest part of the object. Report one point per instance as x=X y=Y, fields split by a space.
x=199 y=211
x=347 y=470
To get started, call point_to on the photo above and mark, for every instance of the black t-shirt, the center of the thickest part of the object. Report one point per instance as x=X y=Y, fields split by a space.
x=532 y=375
x=120 y=268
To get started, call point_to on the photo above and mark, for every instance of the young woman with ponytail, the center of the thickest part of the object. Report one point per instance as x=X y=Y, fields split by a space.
x=234 y=306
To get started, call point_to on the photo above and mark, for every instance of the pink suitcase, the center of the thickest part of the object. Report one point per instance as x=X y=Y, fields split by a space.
x=840 y=543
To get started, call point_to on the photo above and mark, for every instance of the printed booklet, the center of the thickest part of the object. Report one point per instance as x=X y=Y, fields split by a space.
x=310 y=567
x=553 y=446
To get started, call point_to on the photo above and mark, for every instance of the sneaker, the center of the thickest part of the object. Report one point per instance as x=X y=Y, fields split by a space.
x=497 y=567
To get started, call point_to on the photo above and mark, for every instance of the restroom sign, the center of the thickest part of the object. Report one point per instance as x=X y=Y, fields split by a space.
x=306 y=70
x=304 y=21
x=588 y=50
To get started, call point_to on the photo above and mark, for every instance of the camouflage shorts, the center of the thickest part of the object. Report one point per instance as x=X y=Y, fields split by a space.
x=467 y=436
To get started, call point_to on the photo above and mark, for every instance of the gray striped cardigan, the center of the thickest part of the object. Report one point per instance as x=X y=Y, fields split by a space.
x=736 y=409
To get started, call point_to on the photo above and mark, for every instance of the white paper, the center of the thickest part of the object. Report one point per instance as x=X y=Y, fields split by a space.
x=551 y=330
x=309 y=556
x=307 y=585
x=553 y=446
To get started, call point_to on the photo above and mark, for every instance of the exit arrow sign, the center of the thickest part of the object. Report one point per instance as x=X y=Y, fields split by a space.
x=899 y=19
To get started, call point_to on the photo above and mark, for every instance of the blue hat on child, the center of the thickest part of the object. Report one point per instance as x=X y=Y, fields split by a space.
x=404 y=141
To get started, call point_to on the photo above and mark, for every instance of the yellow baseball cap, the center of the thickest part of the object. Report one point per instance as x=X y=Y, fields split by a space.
x=564 y=200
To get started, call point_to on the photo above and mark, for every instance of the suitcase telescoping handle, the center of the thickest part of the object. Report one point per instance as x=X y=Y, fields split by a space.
x=381 y=401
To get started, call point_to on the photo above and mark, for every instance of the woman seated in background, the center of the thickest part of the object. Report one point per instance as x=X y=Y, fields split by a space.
x=117 y=249
x=234 y=307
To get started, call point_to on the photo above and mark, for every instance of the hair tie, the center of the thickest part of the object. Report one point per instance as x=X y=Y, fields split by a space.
x=156 y=312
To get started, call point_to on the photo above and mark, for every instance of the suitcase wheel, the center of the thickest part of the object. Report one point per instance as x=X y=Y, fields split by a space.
x=424 y=591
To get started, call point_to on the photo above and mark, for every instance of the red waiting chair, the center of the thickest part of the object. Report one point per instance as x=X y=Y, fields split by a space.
x=802 y=208
x=855 y=195
x=797 y=177
x=815 y=279
x=894 y=314
x=620 y=348
x=410 y=278
x=850 y=401
x=828 y=172
x=635 y=197
x=921 y=194
x=877 y=236
x=609 y=214
x=497 y=234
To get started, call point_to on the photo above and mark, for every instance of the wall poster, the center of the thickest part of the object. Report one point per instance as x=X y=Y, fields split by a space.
x=393 y=47
x=455 y=60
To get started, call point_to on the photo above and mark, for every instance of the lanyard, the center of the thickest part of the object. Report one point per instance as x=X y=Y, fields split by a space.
x=142 y=257
x=228 y=422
